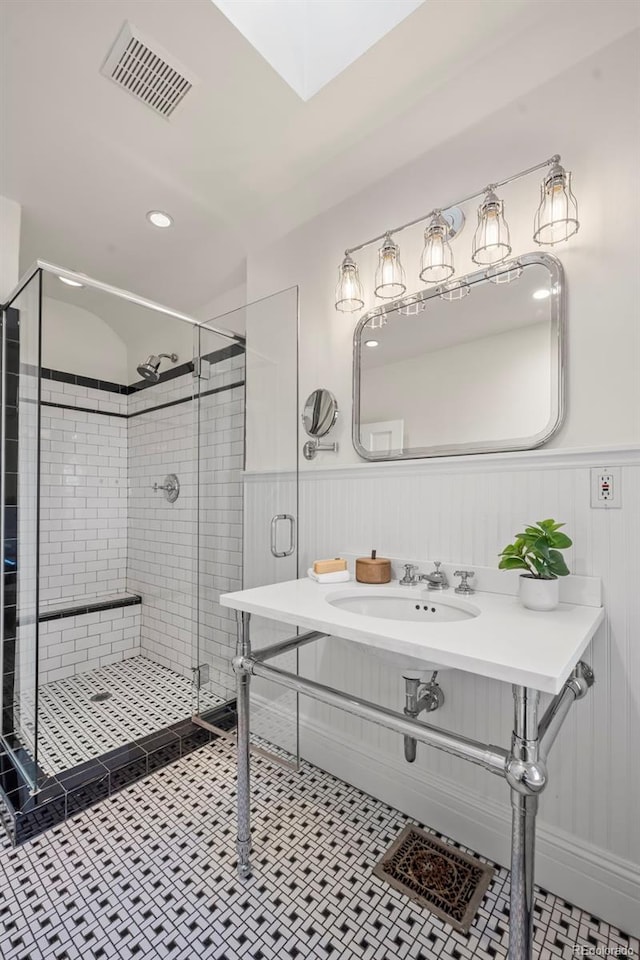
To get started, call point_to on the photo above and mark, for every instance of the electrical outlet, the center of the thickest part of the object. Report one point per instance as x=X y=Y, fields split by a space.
x=605 y=488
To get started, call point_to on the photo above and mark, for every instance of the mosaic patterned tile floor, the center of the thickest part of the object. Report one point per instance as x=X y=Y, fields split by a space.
x=144 y=697
x=150 y=875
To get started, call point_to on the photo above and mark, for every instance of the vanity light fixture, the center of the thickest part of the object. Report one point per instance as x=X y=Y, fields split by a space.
x=378 y=321
x=556 y=219
x=159 y=219
x=455 y=291
x=491 y=242
x=436 y=263
x=541 y=294
x=70 y=283
x=557 y=216
x=390 y=279
x=349 y=296
x=499 y=274
x=372 y=343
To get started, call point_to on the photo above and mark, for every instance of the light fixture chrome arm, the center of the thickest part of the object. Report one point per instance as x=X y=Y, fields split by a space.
x=455 y=203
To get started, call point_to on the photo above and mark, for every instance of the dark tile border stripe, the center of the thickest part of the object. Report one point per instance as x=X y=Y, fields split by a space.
x=91 y=607
x=80 y=787
x=140 y=413
x=174 y=403
x=216 y=356
x=68 y=406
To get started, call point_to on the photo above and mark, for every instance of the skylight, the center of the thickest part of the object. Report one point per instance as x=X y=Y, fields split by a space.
x=309 y=42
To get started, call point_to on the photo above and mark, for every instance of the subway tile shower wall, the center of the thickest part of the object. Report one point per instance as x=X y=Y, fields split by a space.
x=83 y=492
x=77 y=644
x=104 y=530
x=163 y=538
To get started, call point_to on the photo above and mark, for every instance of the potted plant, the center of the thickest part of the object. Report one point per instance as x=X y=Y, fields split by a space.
x=537 y=551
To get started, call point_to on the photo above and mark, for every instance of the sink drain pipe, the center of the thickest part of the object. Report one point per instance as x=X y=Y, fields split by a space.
x=419 y=696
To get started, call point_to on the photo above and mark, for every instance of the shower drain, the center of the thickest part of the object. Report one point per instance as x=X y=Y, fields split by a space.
x=100 y=696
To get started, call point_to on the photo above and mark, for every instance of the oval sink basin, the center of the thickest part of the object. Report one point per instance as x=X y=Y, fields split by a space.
x=420 y=609
x=401 y=606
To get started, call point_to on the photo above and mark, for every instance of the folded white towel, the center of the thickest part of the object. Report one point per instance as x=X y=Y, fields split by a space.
x=339 y=576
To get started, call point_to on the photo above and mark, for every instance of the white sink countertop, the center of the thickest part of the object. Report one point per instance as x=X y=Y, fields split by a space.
x=504 y=641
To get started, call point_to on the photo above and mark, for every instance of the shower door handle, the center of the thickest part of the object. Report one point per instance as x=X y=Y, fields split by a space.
x=292 y=534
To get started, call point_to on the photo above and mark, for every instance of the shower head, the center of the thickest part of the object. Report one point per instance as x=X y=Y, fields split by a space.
x=149 y=369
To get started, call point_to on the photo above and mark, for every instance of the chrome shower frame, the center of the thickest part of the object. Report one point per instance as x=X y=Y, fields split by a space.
x=523 y=766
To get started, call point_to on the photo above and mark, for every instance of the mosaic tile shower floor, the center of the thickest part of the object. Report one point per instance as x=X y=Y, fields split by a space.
x=144 y=697
x=150 y=875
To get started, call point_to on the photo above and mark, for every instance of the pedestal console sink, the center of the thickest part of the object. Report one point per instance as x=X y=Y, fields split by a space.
x=492 y=636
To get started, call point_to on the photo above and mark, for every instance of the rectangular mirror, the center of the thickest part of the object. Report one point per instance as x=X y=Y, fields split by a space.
x=472 y=367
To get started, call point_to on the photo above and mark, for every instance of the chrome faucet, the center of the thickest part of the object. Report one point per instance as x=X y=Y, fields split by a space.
x=436 y=580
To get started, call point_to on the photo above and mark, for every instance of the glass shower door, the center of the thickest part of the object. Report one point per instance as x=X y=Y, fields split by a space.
x=247 y=503
x=19 y=535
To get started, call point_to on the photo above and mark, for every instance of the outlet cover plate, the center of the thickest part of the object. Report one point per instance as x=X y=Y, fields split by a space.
x=606 y=492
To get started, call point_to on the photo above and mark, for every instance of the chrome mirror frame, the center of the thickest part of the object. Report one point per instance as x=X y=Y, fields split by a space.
x=557 y=305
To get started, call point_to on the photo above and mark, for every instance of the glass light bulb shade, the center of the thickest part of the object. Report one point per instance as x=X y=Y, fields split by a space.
x=436 y=263
x=505 y=274
x=491 y=241
x=349 y=294
x=412 y=308
x=378 y=321
x=390 y=278
x=557 y=216
x=455 y=291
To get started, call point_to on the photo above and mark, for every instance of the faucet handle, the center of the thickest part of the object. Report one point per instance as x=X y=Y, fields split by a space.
x=463 y=586
x=409 y=574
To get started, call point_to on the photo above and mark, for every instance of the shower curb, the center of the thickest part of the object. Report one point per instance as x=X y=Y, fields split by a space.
x=62 y=796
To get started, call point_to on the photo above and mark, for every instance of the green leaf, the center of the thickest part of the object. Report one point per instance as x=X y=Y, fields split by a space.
x=557 y=564
x=512 y=563
x=561 y=541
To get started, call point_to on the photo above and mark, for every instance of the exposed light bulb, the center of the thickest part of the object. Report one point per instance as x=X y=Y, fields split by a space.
x=390 y=278
x=436 y=263
x=557 y=216
x=491 y=243
x=349 y=295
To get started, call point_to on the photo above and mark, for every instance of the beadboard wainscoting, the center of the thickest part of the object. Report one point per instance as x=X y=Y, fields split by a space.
x=465 y=510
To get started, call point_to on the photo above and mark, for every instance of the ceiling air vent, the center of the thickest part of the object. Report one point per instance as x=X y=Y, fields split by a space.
x=145 y=70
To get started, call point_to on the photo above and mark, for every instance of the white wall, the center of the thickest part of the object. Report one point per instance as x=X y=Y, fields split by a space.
x=493 y=388
x=10 y=216
x=465 y=511
x=583 y=114
x=78 y=341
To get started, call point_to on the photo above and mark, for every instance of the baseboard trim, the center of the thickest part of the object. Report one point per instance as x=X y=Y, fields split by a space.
x=589 y=877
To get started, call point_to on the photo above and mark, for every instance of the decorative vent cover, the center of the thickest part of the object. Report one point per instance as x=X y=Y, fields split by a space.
x=145 y=70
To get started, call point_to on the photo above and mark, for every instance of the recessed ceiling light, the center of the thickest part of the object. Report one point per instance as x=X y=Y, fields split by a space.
x=372 y=343
x=159 y=219
x=70 y=283
x=541 y=294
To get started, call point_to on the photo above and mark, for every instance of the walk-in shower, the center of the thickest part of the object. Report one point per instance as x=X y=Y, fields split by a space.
x=115 y=653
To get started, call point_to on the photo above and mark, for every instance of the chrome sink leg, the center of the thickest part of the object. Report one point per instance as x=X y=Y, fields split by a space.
x=527 y=777
x=243 y=843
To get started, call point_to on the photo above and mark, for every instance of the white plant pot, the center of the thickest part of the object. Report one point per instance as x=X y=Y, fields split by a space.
x=536 y=594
